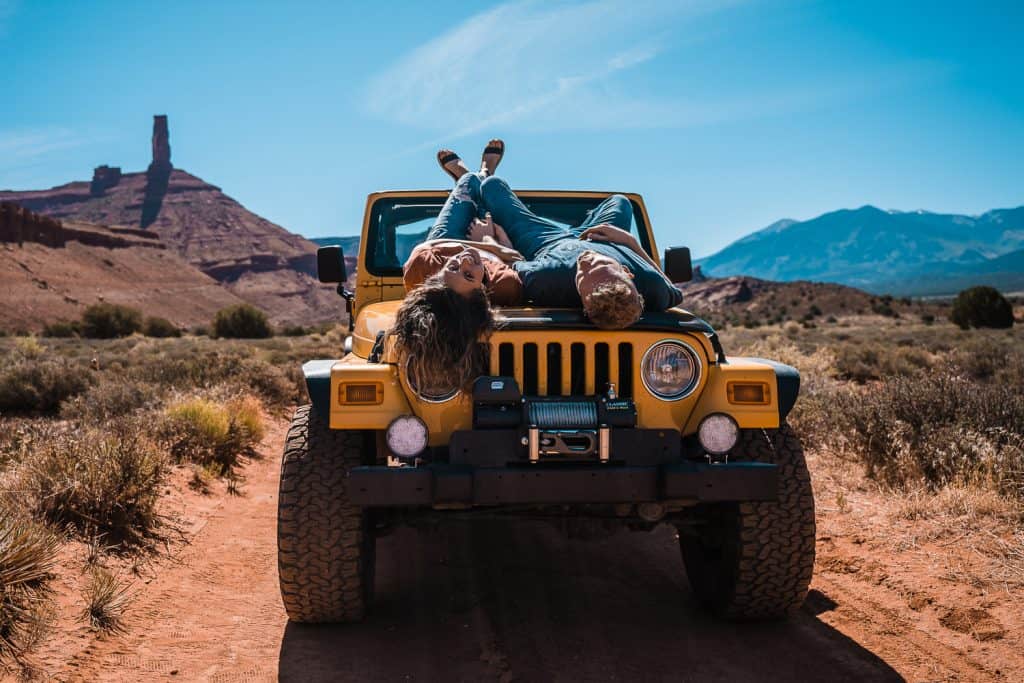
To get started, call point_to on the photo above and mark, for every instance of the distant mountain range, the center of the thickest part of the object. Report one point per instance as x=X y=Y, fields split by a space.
x=903 y=253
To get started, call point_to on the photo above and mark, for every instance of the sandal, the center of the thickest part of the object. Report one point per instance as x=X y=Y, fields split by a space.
x=446 y=156
x=494 y=147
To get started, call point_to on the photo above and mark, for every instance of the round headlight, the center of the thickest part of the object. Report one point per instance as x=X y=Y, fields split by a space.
x=431 y=394
x=718 y=433
x=407 y=436
x=670 y=370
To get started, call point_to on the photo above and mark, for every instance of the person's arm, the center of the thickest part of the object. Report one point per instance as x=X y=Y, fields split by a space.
x=609 y=233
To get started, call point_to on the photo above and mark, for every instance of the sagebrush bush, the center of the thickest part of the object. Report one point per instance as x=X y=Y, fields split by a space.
x=981 y=307
x=278 y=385
x=28 y=555
x=110 y=399
x=107 y=321
x=37 y=385
x=204 y=431
x=241 y=321
x=97 y=480
x=864 y=362
x=936 y=429
x=160 y=328
x=62 y=329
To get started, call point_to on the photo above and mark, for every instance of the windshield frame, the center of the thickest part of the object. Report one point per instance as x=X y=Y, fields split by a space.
x=379 y=204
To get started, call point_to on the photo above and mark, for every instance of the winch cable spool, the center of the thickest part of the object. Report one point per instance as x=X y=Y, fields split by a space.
x=563 y=414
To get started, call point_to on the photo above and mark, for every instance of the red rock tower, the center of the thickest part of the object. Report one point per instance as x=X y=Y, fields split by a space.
x=161 y=141
x=159 y=172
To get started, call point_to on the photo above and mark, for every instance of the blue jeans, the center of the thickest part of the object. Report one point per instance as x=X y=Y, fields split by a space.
x=461 y=207
x=531 y=234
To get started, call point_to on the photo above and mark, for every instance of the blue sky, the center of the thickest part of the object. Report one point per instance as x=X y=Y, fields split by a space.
x=727 y=115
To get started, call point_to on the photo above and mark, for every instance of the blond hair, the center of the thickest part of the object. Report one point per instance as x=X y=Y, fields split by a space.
x=614 y=305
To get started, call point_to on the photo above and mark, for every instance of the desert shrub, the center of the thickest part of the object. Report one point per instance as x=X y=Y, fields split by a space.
x=981 y=307
x=241 y=321
x=884 y=308
x=97 y=481
x=62 y=329
x=937 y=429
x=927 y=318
x=208 y=432
x=294 y=331
x=278 y=385
x=201 y=331
x=107 y=321
x=106 y=599
x=865 y=362
x=14 y=434
x=28 y=385
x=108 y=400
x=28 y=555
x=160 y=328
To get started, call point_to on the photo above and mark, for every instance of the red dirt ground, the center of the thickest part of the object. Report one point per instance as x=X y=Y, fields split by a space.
x=501 y=601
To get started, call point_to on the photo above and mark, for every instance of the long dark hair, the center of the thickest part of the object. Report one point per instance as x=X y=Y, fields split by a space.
x=441 y=336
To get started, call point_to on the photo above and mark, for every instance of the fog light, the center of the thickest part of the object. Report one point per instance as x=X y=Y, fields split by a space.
x=407 y=436
x=718 y=433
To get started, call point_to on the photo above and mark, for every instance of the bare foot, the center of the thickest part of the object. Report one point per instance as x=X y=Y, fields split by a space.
x=452 y=164
x=493 y=153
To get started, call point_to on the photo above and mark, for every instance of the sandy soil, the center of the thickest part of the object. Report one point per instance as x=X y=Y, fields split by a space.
x=498 y=601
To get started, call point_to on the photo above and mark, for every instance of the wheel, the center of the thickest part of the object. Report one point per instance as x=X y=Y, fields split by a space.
x=755 y=560
x=325 y=544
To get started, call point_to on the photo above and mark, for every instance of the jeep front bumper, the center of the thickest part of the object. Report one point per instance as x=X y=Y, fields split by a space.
x=464 y=485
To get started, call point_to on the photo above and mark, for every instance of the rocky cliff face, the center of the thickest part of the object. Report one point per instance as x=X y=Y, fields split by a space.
x=204 y=226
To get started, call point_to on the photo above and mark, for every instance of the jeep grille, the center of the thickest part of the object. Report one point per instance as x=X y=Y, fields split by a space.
x=556 y=369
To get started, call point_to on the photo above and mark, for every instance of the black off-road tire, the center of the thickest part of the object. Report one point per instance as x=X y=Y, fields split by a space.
x=755 y=560
x=325 y=544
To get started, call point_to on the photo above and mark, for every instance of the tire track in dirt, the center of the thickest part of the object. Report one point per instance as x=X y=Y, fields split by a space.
x=488 y=600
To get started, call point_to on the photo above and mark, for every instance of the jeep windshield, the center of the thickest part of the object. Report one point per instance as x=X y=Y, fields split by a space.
x=398 y=224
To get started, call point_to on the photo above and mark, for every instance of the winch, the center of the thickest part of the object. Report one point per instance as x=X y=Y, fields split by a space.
x=552 y=427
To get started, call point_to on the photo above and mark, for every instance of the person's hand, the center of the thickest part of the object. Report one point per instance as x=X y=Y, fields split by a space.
x=480 y=230
x=608 y=233
x=501 y=236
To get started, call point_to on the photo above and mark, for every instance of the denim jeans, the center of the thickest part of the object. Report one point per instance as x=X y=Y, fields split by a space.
x=461 y=207
x=531 y=234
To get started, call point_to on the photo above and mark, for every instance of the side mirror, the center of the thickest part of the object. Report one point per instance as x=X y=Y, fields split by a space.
x=330 y=264
x=677 y=264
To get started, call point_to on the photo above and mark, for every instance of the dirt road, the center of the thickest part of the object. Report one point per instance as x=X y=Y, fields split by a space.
x=494 y=601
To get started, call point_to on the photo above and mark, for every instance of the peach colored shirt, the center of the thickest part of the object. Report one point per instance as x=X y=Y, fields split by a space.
x=427 y=259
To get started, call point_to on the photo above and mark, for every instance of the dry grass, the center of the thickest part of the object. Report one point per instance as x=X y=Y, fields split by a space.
x=106 y=600
x=213 y=433
x=922 y=407
x=96 y=481
x=27 y=559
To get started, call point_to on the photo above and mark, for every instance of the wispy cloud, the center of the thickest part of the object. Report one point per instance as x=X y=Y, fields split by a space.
x=21 y=147
x=583 y=66
x=536 y=66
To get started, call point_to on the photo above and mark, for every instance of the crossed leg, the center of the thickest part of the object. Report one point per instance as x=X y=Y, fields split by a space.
x=459 y=209
x=528 y=232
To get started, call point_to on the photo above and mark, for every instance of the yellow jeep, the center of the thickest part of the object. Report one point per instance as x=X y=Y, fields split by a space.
x=648 y=425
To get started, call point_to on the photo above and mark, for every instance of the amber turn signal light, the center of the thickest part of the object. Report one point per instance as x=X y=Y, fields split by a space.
x=369 y=394
x=748 y=393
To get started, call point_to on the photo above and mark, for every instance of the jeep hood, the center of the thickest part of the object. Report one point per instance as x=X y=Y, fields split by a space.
x=379 y=317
